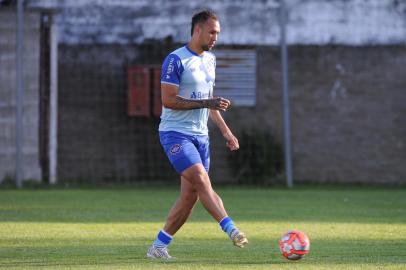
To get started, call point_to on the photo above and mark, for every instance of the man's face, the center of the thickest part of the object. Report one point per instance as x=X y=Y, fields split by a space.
x=208 y=33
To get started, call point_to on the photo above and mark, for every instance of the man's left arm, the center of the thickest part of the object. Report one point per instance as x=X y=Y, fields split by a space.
x=231 y=140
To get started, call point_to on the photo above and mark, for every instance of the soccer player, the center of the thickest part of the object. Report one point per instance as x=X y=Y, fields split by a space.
x=187 y=82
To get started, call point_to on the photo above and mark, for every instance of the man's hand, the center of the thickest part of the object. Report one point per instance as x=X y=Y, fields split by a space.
x=231 y=141
x=217 y=103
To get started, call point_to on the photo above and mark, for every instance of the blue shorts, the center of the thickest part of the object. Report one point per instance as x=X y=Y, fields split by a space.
x=185 y=150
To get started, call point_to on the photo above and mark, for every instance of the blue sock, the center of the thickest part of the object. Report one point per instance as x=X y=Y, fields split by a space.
x=227 y=225
x=163 y=239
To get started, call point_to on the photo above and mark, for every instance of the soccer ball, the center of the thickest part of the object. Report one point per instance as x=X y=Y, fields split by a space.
x=294 y=245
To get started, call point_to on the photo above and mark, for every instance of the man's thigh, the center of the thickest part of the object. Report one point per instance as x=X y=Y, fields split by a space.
x=180 y=150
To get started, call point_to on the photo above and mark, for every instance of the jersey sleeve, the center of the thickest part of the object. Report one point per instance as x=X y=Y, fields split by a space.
x=172 y=69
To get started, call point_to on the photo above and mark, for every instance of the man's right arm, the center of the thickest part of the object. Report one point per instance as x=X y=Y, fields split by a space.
x=172 y=100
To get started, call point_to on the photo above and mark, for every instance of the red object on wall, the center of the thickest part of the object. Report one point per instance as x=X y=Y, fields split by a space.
x=139 y=91
x=156 y=92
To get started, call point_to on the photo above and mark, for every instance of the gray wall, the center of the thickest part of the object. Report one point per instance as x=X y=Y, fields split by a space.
x=347 y=110
x=346 y=101
x=255 y=22
x=8 y=91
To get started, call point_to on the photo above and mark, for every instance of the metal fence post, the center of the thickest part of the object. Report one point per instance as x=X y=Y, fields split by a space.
x=53 y=106
x=19 y=92
x=285 y=87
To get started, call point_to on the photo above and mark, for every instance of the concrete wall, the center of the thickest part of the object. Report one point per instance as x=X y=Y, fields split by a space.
x=346 y=101
x=8 y=95
x=350 y=22
x=347 y=110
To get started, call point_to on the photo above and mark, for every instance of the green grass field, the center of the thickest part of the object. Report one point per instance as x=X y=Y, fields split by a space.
x=349 y=228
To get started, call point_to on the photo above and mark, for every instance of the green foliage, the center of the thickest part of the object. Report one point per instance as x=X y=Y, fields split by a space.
x=259 y=159
x=9 y=182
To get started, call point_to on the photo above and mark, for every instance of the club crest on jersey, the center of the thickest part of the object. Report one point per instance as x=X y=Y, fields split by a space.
x=210 y=66
x=175 y=149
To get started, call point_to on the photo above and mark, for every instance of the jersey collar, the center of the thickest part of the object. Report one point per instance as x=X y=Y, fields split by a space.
x=192 y=52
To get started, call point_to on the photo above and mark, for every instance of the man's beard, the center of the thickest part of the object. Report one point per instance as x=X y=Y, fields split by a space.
x=206 y=48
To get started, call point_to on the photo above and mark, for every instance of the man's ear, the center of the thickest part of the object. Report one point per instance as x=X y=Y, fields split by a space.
x=198 y=28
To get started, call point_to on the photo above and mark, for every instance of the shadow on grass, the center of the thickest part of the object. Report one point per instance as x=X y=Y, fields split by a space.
x=207 y=252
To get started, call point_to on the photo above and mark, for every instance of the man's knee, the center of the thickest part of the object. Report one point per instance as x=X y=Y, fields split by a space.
x=198 y=177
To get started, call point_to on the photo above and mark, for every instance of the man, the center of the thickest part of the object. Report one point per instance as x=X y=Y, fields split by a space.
x=187 y=82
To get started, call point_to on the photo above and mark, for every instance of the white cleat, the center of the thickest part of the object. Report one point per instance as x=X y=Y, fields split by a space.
x=158 y=253
x=239 y=238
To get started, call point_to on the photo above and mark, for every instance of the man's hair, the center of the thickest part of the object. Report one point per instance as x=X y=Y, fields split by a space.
x=202 y=17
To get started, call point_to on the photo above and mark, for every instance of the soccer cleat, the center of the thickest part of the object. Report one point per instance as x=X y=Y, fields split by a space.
x=239 y=238
x=158 y=253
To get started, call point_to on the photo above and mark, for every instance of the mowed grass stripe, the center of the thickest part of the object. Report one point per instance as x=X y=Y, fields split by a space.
x=101 y=229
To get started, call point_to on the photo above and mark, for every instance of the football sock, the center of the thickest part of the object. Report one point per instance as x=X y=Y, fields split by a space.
x=163 y=239
x=227 y=225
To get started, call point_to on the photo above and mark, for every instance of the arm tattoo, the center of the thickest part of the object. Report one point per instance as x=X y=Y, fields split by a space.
x=190 y=104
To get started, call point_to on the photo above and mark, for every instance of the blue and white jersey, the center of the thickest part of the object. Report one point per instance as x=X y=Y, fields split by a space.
x=194 y=75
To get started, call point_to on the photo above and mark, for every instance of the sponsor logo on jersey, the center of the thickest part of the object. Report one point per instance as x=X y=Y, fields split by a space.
x=169 y=70
x=199 y=95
